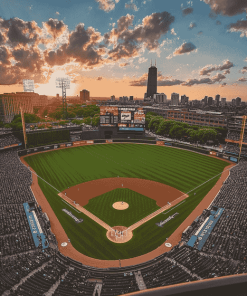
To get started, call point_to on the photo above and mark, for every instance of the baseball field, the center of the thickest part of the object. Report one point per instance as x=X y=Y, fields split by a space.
x=183 y=170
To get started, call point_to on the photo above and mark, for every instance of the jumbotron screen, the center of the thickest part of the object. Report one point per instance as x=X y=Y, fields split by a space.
x=125 y=118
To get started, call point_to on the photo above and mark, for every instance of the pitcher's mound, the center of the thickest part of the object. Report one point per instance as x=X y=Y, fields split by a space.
x=120 y=205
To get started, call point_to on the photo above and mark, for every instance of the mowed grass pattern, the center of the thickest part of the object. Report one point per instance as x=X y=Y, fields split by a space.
x=140 y=206
x=181 y=169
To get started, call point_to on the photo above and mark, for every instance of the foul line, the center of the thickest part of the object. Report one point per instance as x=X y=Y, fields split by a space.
x=70 y=206
x=174 y=207
x=176 y=199
x=153 y=212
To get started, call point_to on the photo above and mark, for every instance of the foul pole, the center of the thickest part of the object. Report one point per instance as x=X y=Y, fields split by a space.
x=23 y=127
x=241 y=136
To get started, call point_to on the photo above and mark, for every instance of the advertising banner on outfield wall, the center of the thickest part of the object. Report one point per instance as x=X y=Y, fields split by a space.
x=213 y=153
x=160 y=143
x=62 y=146
x=69 y=144
x=108 y=141
x=79 y=143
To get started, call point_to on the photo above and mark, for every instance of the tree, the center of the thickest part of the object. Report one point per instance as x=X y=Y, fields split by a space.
x=177 y=131
x=71 y=114
x=151 y=114
x=76 y=121
x=155 y=122
x=45 y=113
x=35 y=110
x=193 y=134
x=207 y=134
x=7 y=125
x=16 y=126
x=57 y=114
x=87 y=120
x=96 y=120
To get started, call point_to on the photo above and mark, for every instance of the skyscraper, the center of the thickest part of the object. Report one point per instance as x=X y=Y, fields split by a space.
x=217 y=100
x=174 y=99
x=152 y=81
x=184 y=100
x=210 y=101
x=223 y=101
x=238 y=101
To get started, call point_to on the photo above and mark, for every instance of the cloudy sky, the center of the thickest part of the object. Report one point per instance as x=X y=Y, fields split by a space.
x=106 y=46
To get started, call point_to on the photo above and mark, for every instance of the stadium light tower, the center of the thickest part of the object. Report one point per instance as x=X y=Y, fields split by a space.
x=28 y=85
x=64 y=83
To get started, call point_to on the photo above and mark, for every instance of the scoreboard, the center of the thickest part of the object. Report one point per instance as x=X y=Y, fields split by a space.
x=124 y=118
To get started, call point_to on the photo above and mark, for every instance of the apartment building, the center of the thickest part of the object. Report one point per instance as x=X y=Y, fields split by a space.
x=192 y=117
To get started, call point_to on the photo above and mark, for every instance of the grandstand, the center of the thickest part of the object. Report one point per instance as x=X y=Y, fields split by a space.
x=35 y=266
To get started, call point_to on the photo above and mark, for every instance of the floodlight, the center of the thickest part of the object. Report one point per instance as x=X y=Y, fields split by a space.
x=28 y=85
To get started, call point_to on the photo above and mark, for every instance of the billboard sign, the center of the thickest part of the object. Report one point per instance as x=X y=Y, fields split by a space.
x=213 y=153
x=139 y=116
x=107 y=124
x=137 y=129
x=106 y=110
x=160 y=143
x=125 y=116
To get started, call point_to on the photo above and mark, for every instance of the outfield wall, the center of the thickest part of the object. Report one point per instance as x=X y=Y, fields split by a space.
x=136 y=141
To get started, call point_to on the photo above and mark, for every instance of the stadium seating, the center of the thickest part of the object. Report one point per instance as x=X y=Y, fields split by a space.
x=27 y=270
x=8 y=139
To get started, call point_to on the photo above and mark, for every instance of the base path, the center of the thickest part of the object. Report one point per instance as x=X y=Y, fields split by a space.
x=174 y=239
x=84 y=211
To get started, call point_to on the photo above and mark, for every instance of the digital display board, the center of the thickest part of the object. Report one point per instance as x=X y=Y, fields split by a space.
x=139 y=116
x=124 y=118
x=105 y=110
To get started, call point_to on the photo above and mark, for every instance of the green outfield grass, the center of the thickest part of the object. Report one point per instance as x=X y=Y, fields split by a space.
x=181 y=169
x=140 y=206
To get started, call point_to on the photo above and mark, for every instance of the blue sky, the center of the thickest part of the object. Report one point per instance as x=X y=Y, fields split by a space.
x=199 y=46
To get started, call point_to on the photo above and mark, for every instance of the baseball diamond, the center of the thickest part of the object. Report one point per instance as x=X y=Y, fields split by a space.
x=89 y=174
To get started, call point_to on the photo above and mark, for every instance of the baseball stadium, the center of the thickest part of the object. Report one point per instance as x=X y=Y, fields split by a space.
x=115 y=216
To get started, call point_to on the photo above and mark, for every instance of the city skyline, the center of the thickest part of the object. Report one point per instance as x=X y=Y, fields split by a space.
x=106 y=46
